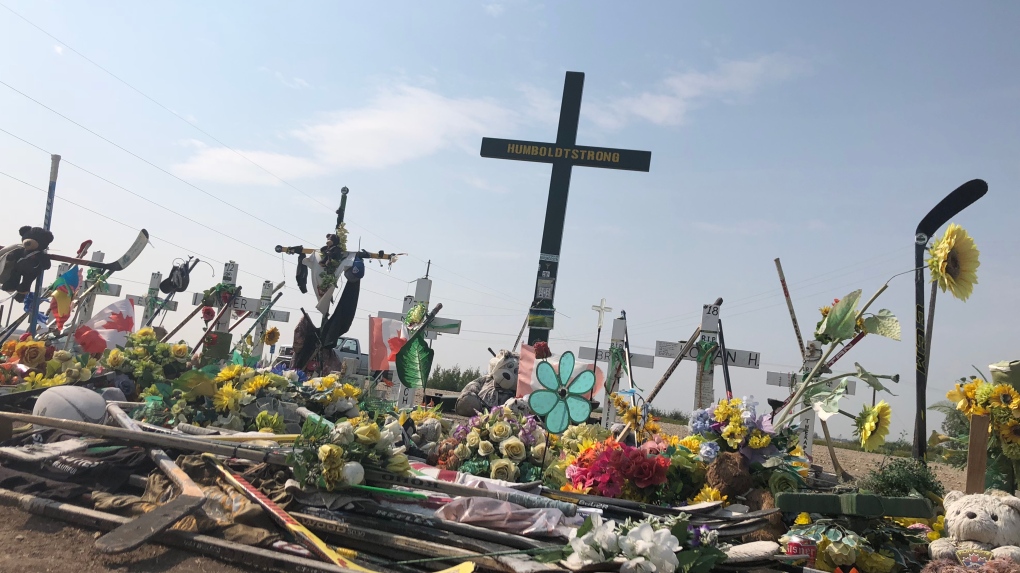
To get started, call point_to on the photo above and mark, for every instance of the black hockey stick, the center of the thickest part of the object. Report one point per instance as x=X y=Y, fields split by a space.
x=957 y=201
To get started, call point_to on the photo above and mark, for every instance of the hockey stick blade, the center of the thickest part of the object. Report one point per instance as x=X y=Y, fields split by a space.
x=118 y=265
x=964 y=196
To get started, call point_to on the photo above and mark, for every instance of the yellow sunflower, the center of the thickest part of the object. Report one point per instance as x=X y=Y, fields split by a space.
x=954 y=262
x=228 y=373
x=272 y=336
x=1004 y=396
x=227 y=398
x=965 y=396
x=632 y=416
x=257 y=383
x=872 y=425
x=1010 y=432
x=708 y=493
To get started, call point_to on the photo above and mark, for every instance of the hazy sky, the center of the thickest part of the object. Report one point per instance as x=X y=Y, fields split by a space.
x=818 y=133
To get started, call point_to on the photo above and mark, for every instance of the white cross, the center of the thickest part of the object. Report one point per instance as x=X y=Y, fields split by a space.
x=602 y=309
x=151 y=301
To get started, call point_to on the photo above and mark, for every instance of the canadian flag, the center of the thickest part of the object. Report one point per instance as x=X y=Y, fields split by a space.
x=108 y=329
x=386 y=336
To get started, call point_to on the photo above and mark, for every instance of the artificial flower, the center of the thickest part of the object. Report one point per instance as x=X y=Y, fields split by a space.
x=208 y=313
x=692 y=443
x=228 y=373
x=343 y=434
x=180 y=351
x=227 y=398
x=709 y=493
x=872 y=425
x=115 y=358
x=257 y=383
x=398 y=464
x=537 y=455
x=802 y=519
x=367 y=434
x=1004 y=396
x=954 y=262
x=462 y=452
x=63 y=356
x=331 y=456
x=485 y=448
x=146 y=333
x=500 y=431
x=1010 y=432
x=473 y=439
x=708 y=451
x=269 y=423
x=759 y=440
x=514 y=449
x=9 y=347
x=504 y=469
x=31 y=353
x=272 y=336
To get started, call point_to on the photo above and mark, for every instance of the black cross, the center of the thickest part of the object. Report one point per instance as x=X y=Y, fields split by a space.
x=564 y=155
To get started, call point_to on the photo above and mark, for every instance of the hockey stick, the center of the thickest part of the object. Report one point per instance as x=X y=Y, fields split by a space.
x=725 y=364
x=146 y=526
x=120 y=264
x=676 y=362
x=964 y=196
x=789 y=305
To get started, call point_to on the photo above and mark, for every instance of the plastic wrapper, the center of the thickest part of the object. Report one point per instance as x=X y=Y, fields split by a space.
x=502 y=515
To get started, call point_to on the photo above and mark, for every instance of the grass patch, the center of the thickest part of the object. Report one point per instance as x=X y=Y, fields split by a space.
x=676 y=416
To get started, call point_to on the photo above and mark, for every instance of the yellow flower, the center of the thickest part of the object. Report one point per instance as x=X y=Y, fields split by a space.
x=272 y=336
x=367 y=434
x=759 y=440
x=692 y=443
x=228 y=373
x=58 y=380
x=31 y=353
x=398 y=464
x=965 y=396
x=1010 y=432
x=954 y=262
x=257 y=383
x=1004 y=396
x=500 y=431
x=139 y=352
x=146 y=333
x=351 y=391
x=708 y=493
x=825 y=310
x=727 y=409
x=802 y=519
x=115 y=358
x=872 y=425
x=514 y=449
x=734 y=433
x=933 y=536
x=504 y=469
x=9 y=347
x=651 y=427
x=331 y=456
x=227 y=398
x=34 y=380
x=570 y=488
x=180 y=351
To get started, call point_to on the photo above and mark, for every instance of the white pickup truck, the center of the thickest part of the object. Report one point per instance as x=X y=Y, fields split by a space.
x=345 y=348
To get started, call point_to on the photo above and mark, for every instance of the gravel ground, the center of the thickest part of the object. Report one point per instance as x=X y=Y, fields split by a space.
x=33 y=544
x=859 y=464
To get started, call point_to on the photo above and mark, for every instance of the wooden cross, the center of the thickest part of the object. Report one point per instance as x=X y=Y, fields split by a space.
x=564 y=154
x=407 y=397
x=977 y=454
x=151 y=301
x=87 y=304
x=602 y=309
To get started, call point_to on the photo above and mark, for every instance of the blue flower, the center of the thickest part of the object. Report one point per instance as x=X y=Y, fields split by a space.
x=701 y=422
x=709 y=450
x=561 y=400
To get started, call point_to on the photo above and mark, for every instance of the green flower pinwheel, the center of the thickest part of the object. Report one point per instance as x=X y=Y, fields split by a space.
x=562 y=402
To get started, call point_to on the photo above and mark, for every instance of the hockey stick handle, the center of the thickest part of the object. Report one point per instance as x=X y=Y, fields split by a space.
x=161 y=459
x=676 y=362
x=725 y=363
x=845 y=349
x=789 y=305
x=183 y=322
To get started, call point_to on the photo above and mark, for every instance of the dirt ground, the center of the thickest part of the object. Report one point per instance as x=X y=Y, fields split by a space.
x=33 y=544
x=859 y=464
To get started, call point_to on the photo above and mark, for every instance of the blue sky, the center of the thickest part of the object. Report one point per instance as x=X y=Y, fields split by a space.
x=818 y=133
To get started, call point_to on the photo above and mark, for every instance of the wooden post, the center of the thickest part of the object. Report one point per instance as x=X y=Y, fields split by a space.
x=977 y=454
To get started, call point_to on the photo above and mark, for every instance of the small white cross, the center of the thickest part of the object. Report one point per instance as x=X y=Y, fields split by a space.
x=602 y=309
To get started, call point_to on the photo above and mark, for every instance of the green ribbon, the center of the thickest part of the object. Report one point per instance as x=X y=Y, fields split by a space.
x=706 y=349
x=210 y=296
x=616 y=357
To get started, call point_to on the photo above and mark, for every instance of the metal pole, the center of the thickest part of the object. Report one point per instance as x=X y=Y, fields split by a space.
x=50 y=195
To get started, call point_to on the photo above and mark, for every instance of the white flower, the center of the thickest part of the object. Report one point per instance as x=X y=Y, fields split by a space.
x=291 y=375
x=659 y=547
x=343 y=434
x=607 y=538
x=638 y=565
x=585 y=553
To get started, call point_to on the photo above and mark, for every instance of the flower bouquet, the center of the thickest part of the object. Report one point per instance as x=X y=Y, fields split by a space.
x=30 y=364
x=499 y=444
x=335 y=456
x=1001 y=403
x=148 y=361
x=657 y=544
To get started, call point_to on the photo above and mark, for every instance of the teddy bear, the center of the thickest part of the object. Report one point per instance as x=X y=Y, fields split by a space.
x=21 y=264
x=495 y=388
x=730 y=473
x=987 y=522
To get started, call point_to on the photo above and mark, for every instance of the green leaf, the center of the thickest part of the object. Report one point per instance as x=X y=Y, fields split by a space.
x=841 y=320
x=686 y=560
x=196 y=382
x=826 y=402
x=585 y=527
x=708 y=557
x=871 y=379
x=414 y=362
x=884 y=324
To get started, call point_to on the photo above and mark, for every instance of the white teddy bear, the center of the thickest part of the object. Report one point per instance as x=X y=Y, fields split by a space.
x=493 y=389
x=989 y=522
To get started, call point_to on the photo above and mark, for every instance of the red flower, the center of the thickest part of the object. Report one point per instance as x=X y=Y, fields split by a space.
x=24 y=337
x=49 y=352
x=211 y=339
x=542 y=350
x=208 y=313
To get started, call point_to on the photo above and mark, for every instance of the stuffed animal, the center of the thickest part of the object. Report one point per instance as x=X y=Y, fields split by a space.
x=494 y=389
x=988 y=522
x=730 y=474
x=21 y=264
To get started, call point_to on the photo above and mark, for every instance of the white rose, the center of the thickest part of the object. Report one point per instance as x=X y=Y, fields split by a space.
x=343 y=434
x=485 y=448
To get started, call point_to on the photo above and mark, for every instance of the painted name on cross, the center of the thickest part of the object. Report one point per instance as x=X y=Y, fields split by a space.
x=738 y=358
x=580 y=155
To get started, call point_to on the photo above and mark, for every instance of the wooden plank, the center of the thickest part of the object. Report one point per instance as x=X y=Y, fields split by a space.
x=977 y=454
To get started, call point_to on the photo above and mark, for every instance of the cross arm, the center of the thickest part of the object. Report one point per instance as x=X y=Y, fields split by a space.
x=574 y=155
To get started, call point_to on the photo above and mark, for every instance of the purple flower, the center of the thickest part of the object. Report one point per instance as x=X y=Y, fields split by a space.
x=461 y=432
x=709 y=450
